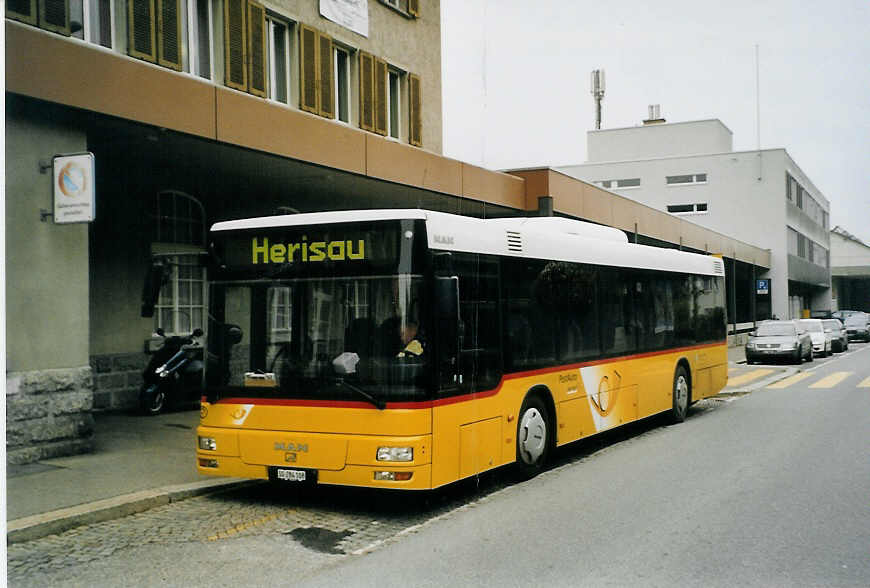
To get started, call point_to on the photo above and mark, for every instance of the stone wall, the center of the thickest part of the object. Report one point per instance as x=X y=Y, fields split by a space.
x=48 y=414
x=117 y=379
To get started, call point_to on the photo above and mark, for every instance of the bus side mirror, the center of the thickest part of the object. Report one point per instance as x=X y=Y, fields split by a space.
x=447 y=312
x=157 y=275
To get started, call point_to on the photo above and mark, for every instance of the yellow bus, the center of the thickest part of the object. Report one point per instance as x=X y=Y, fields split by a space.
x=410 y=349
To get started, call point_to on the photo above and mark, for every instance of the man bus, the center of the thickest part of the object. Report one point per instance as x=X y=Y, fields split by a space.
x=411 y=349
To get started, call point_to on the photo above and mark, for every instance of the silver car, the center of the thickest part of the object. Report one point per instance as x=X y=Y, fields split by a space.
x=779 y=340
x=858 y=326
x=839 y=337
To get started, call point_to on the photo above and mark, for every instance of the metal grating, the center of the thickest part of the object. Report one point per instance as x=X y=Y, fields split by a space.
x=514 y=241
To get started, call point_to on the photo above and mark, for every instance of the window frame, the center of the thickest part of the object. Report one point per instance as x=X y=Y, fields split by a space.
x=190 y=43
x=394 y=106
x=695 y=209
x=273 y=21
x=342 y=102
x=694 y=180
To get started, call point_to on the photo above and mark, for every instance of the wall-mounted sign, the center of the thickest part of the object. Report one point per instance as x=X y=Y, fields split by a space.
x=351 y=14
x=73 y=188
x=762 y=287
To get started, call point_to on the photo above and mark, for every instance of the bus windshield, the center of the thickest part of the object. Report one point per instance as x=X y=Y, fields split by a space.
x=341 y=338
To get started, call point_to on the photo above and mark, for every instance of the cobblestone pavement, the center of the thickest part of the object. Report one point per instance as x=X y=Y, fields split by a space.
x=327 y=520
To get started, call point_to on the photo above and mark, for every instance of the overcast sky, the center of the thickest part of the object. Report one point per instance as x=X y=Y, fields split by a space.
x=516 y=81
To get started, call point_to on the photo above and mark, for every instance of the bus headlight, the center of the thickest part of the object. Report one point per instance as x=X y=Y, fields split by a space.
x=207 y=443
x=395 y=454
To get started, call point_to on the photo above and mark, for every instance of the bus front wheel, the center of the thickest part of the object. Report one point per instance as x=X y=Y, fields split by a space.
x=681 y=393
x=533 y=437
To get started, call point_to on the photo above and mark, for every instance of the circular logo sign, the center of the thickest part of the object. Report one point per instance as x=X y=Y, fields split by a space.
x=72 y=180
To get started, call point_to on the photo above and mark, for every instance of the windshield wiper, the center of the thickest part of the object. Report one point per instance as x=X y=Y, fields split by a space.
x=377 y=402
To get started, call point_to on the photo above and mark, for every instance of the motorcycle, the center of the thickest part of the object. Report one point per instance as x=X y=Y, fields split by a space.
x=173 y=373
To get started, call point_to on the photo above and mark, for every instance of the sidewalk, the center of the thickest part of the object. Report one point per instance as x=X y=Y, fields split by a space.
x=138 y=463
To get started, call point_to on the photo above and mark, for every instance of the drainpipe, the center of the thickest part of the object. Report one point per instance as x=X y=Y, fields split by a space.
x=545 y=206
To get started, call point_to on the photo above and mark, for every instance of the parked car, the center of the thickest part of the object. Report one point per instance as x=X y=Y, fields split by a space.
x=843 y=314
x=821 y=339
x=858 y=326
x=839 y=337
x=779 y=340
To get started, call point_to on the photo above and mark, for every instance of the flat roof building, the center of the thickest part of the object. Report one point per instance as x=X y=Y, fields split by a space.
x=762 y=197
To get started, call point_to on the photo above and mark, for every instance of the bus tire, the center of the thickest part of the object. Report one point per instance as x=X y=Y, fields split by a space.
x=681 y=392
x=534 y=430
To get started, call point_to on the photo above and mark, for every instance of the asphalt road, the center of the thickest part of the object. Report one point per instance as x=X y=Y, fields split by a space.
x=763 y=489
x=772 y=490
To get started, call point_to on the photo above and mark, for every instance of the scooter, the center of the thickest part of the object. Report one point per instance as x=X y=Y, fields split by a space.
x=175 y=369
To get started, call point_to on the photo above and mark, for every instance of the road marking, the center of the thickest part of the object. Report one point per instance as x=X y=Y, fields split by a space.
x=245 y=526
x=790 y=380
x=831 y=380
x=747 y=377
x=865 y=383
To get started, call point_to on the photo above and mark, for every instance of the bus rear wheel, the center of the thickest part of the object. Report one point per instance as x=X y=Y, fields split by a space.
x=533 y=437
x=681 y=393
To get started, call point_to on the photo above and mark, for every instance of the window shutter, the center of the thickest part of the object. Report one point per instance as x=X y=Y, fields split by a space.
x=366 y=92
x=414 y=8
x=54 y=16
x=22 y=10
x=308 y=69
x=140 y=26
x=235 y=50
x=380 y=96
x=327 y=89
x=415 y=111
x=169 y=34
x=257 y=49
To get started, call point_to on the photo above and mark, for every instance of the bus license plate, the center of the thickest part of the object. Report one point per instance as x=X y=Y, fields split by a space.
x=292 y=475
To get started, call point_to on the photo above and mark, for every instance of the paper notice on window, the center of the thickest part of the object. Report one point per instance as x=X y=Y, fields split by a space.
x=351 y=14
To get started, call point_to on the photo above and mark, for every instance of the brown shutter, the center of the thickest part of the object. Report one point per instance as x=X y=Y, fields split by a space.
x=169 y=34
x=326 y=79
x=141 y=30
x=22 y=10
x=415 y=111
x=414 y=8
x=381 y=96
x=308 y=69
x=257 y=49
x=366 y=92
x=54 y=16
x=235 y=50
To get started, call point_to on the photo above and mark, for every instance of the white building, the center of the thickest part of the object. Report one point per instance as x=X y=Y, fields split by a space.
x=760 y=197
x=850 y=271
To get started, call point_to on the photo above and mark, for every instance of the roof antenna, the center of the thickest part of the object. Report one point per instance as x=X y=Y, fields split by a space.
x=597 y=89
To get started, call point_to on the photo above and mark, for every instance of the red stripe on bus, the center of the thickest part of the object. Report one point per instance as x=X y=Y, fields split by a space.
x=457 y=399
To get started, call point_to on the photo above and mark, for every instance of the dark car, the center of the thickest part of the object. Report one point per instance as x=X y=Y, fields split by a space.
x=839 y=337
x=779 y=340
x=858 y=326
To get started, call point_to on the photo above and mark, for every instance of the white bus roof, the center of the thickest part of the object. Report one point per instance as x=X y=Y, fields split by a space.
x=554 y=238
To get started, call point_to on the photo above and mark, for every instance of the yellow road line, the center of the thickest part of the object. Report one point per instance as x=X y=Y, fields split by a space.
x=747 y=377
x=865 y=383
x=790 y=380
x=831 y=380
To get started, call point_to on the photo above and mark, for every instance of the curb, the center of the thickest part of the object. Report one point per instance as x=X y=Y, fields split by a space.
x=58 y=521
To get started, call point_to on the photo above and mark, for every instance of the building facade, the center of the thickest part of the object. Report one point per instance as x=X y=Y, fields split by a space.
x=760 y=197
x=216 y=110
x=850 y=271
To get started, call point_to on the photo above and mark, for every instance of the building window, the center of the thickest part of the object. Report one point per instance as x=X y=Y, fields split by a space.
x=394 y=93
x=792 y=241
x=180 y=307
x=698 y=208
x=619 y=184
x=97 y=20
x=279 y=60
x=342 y=85
x=199 y=19
x=686 y=179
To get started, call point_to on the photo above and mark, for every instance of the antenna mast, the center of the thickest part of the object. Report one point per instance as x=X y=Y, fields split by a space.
x=597 y=88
